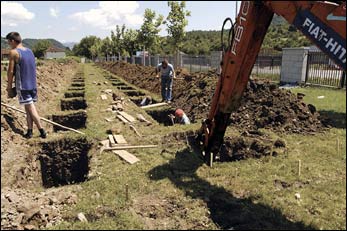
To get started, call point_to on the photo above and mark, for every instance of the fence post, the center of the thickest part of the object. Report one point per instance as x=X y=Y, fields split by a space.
x=307 y=66
x=343 y=79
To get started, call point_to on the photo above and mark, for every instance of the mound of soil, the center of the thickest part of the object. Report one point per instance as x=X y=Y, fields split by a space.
x=263 y=105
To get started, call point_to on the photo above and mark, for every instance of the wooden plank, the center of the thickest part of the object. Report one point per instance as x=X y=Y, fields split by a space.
x=103 y=97
x=123 y=147
x=127 y=116
x=105 y=143
x=135 y=130
x=154 y=105
x=120 y=139
x=122 y=119
x=128 y=157
x=112 y=142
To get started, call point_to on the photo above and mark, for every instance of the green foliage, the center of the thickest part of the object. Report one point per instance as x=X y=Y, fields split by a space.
x=95 y=48
x=176 y=22
x=83 y=48
x=281 y=35
x=148 y=33
x=68 y=51
x=106 y=46
x=131 y=44
x=4 y=44
x=117 y=40
x=30 y=43
x=40 y=48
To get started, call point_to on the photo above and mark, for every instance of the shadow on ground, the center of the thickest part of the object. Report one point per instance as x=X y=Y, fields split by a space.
x=333 y=118
x=227 y=211
x=11 y=122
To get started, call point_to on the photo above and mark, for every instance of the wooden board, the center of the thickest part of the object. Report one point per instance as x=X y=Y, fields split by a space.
x=128 y=157
x=119 y=139
x=127 y=116
x=112 y=142
x=105 y=143
x=154 y=105
x=122 y=119
x=103 y=97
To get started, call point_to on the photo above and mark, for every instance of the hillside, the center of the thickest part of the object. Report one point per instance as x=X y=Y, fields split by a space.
x=31 y=43
x=279 y=35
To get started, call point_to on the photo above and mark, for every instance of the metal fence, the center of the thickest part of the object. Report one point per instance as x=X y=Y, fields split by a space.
x=322 y=71
x=268 y=65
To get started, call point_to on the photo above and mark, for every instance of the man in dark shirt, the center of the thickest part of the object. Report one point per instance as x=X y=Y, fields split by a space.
x=23 y=67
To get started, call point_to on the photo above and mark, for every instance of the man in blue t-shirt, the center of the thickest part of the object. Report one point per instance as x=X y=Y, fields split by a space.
x=167 y=74
x=22 y=66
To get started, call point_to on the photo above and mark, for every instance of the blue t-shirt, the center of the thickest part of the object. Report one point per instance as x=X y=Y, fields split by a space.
x=166 y=72
x=25 y=70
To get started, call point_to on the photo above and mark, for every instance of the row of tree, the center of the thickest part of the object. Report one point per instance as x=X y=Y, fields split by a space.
x=125 y=42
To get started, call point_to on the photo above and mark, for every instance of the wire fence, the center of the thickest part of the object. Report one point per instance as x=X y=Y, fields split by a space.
x=268 y=65
x=322 y=71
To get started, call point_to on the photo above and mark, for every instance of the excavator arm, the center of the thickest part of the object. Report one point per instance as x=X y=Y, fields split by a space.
x=324 y=23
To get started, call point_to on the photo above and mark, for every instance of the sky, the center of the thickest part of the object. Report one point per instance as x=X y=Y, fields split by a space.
x=70 y=21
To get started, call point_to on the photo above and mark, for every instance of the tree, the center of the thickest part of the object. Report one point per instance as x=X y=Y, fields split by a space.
x=117 y=41
x=106 y=46
x=40 y=48
x=176 y=22
x=68 y=51
x=130 y=41
x=83 y=48
x=148 y=33
x=96 y=48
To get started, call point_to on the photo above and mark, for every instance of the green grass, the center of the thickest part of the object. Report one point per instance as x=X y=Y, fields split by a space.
x=171 y=188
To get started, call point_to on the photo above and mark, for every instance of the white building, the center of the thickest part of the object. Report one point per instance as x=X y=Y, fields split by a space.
x=54 y=53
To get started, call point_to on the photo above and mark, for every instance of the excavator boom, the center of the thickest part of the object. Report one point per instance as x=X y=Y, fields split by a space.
x=324 y=23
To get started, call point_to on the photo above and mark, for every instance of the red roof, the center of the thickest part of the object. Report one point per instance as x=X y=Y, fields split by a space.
x=55 y=49
x=5 y=51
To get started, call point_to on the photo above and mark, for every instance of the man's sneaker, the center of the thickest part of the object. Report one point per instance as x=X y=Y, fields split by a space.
x=169 y=101
x=43 y=134
x=29 y=134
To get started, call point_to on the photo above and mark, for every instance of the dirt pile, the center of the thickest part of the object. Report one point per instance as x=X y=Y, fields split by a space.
x=263 y=105
x=239 y=148
x=22 y=209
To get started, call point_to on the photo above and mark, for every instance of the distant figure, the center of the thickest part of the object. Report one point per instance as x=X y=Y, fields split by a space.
x=167 y=74
x=146 y=101
x=22 y=66
x=180 y=117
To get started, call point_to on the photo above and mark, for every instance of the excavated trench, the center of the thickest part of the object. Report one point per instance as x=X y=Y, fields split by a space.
x=75 y=88
x=72 y=94
x=64 y=161
x=119 y=84
x=79 y=84
x=125 y=88
x=138 y=100
x=134 y=93
x=74 y=120
x=73 y=103
x=162 y=116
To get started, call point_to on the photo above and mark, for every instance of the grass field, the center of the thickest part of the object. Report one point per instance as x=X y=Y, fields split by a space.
x=171 y=188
